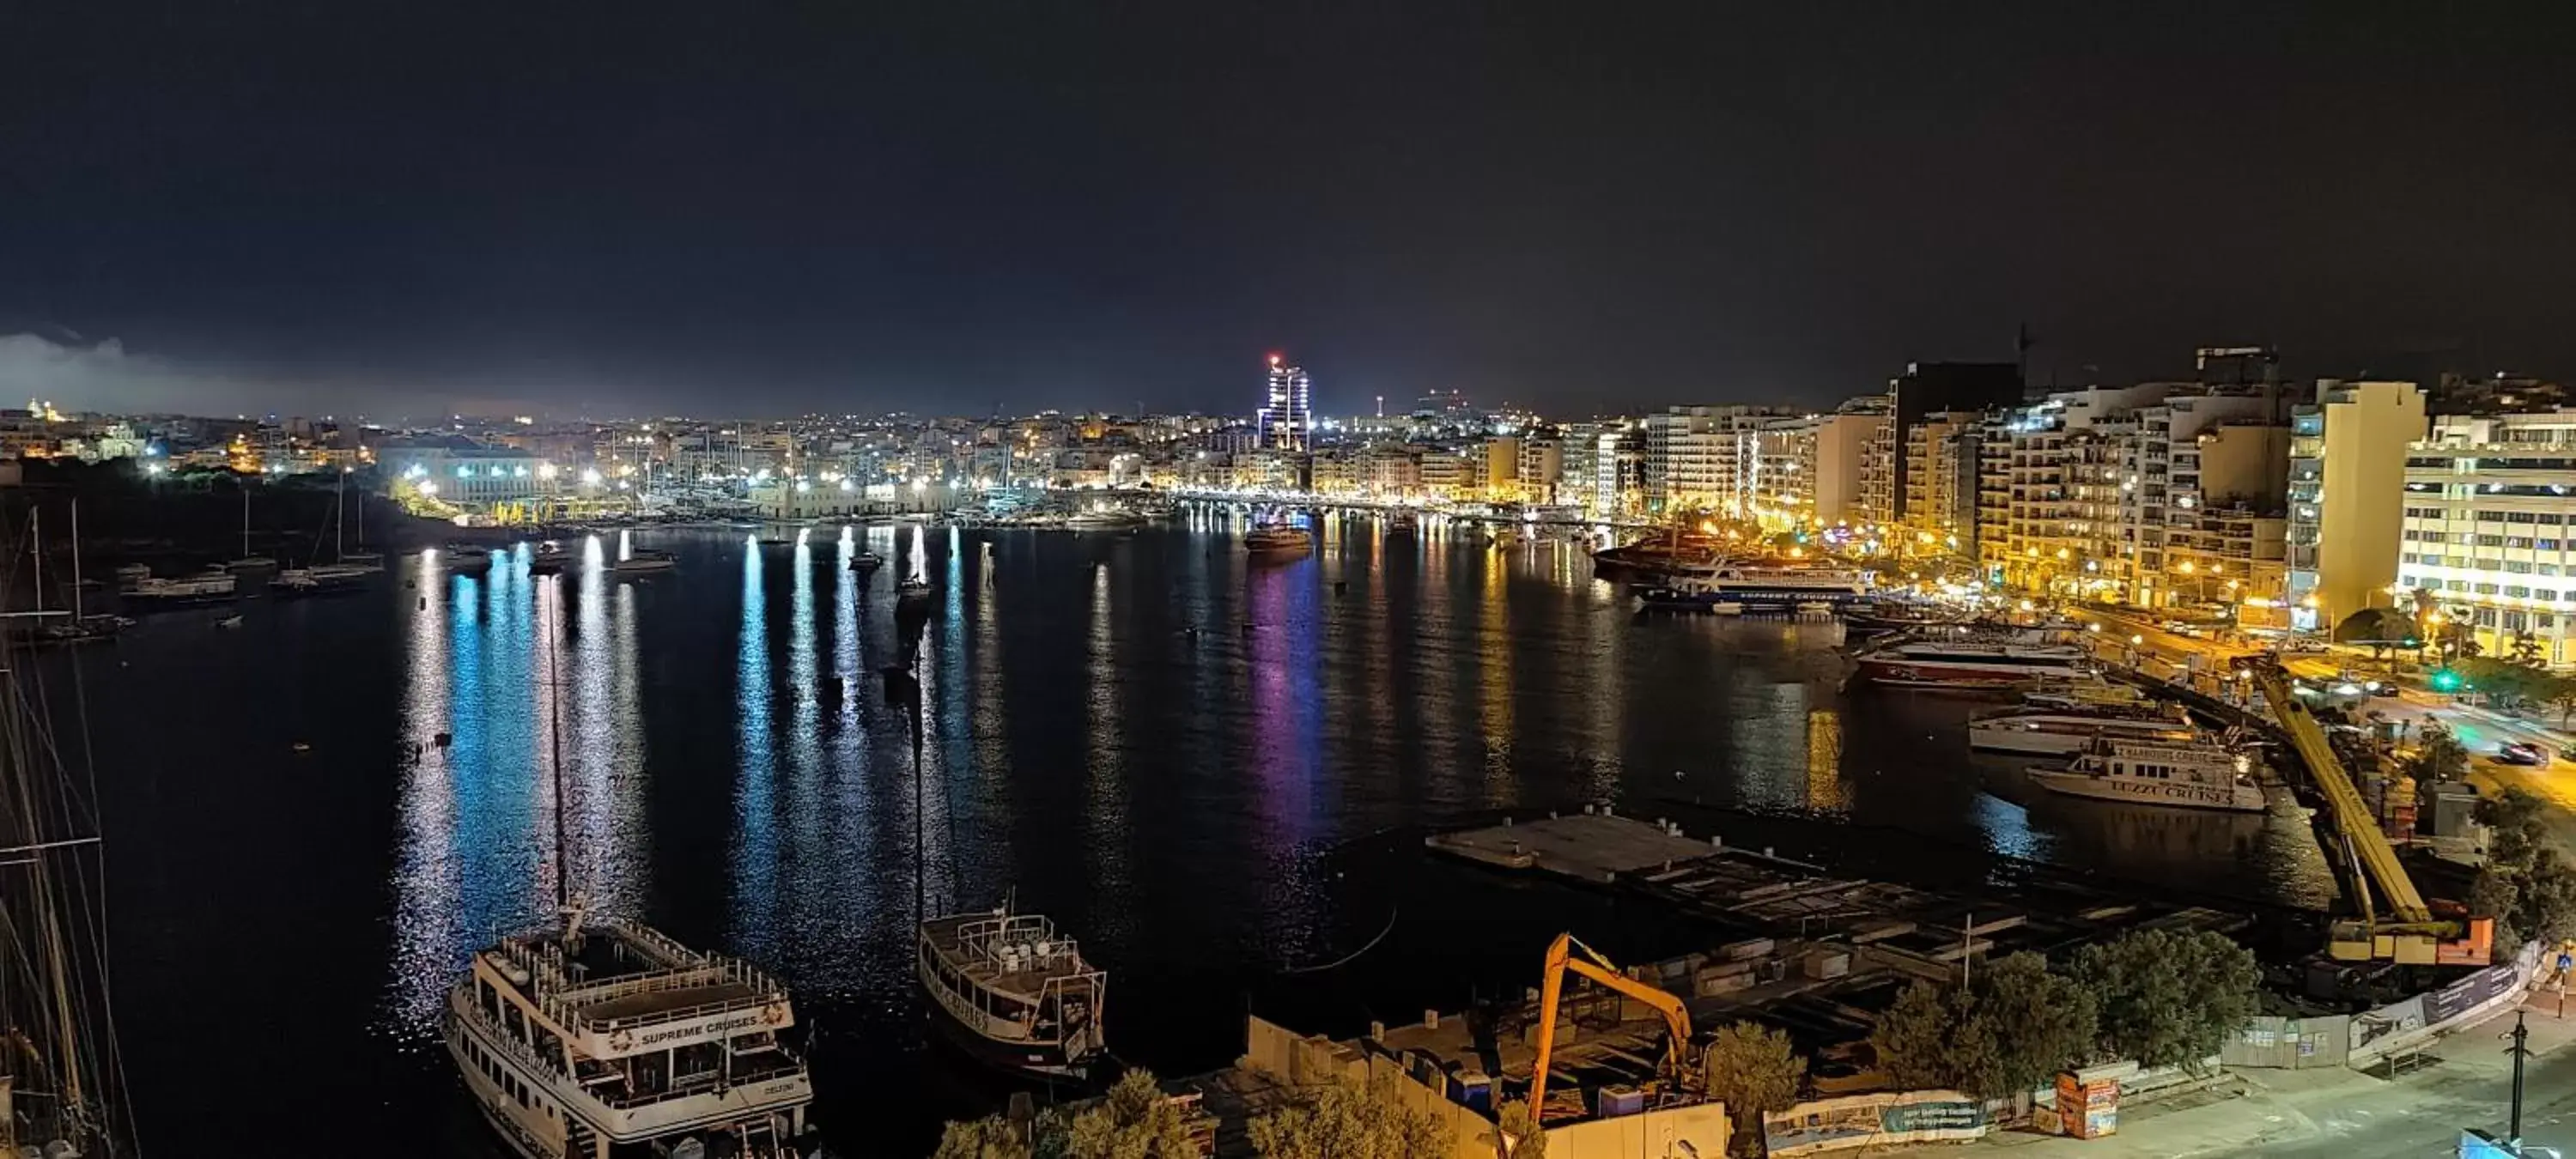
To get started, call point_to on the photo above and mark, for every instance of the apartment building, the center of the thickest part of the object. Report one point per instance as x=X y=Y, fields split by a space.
x=2486 y=522
x=2348 y=453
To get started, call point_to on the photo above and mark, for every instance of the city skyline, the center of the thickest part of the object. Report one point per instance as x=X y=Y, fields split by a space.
x=909 y=210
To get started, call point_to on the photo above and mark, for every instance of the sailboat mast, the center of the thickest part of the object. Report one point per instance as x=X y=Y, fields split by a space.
x=554 y=725
x=36 y=552
x=339 y=519
x=76 y=570
x=245 y=489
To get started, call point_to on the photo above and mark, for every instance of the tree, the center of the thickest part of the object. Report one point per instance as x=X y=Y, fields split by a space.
x=2439 y=756
x=1135 y=1121
x=1751 y=1069
x=993 y=1137
x=2168 y=997
x=2516 y=830
x=1527 y=1139
x=2043 y=1021
x=1343 y=1122
x=2526 y=886
x=2525 y=648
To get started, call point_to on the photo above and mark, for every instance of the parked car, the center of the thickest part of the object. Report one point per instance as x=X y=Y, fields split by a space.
x=2521 y=753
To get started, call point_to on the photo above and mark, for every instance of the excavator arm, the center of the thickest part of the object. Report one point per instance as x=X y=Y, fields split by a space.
x=1551 y=987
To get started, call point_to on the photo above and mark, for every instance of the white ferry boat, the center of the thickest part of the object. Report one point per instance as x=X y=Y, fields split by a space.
x=2059 y=732
x=1012 y=992
x=2085 y=695
x=1972 y=663
x=1773 y=582
x=1278 y=539
x=2203 y=775
x=607 y=1040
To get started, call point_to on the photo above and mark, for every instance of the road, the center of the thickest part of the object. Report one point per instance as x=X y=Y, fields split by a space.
x=2422 y=1113
x=2480 y=730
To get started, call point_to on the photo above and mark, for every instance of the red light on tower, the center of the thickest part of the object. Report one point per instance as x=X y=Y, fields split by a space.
x=1274 y=360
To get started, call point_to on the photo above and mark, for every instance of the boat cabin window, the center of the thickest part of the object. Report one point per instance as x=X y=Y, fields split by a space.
x=696 y=1063
x=518 y=1027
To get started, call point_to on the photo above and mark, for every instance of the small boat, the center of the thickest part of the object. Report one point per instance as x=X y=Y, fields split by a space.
x=913 y=588
x=464 y=559
x=548 y=563
x=1013 y=993
x=1726 y=608
x=866 y=562
x=1278 y=539
x=775 y=541
x=231 y=621
x=1814 y=608
x=640 y=562
x=84 y=630
x=2207 y=774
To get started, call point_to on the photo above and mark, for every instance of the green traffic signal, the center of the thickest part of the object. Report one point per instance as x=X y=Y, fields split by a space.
x=2445 y=680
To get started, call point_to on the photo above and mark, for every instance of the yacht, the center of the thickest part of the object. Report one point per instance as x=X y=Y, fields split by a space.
x=321 y=580
x=1012 y=992
x=213 y=586
x=1972 y=662
x=2207 y=774
x=641 y=562
x=2063 y=731
x=866 y=562
x=1278 y=539
x=604 y=1039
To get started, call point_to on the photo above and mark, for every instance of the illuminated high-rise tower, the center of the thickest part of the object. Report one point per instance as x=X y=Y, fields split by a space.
x=1287 y=420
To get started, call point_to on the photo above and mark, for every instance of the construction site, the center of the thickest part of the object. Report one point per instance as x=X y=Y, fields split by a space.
x=1609 y=1056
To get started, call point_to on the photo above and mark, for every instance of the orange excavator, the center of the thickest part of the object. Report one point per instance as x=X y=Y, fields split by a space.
x=1560 y=958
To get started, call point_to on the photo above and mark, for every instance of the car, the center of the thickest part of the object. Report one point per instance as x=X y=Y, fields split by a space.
x=2521 y=753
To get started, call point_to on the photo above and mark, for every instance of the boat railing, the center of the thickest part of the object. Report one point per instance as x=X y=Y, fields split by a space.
x=591 y=1089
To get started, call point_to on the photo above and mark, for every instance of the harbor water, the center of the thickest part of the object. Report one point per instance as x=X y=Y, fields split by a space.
x=1213 y=771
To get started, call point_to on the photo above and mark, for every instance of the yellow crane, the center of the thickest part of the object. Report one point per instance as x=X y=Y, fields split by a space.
x=1560 y=958
x=2409 y=933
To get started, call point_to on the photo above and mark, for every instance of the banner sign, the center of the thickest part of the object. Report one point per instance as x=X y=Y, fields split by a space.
x=1873 y=1121
x=626 y=1040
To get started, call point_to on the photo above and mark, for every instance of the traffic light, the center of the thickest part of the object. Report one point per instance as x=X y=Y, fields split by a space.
x=2445 y=680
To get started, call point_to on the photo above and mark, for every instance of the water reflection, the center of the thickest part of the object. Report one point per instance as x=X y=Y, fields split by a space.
x=755 y=857
x=504 y=675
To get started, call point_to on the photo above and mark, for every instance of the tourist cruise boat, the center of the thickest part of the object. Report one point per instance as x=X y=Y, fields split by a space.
x=2063 y=731
x=604 y=1039
x=1972 y=662
x=1278 y=539
x=2207 y=774
x=1012 y=992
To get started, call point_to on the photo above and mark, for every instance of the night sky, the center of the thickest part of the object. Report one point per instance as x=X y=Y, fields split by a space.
x=732 y=208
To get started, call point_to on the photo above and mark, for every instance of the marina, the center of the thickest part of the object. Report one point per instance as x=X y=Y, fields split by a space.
x=1139 y=733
